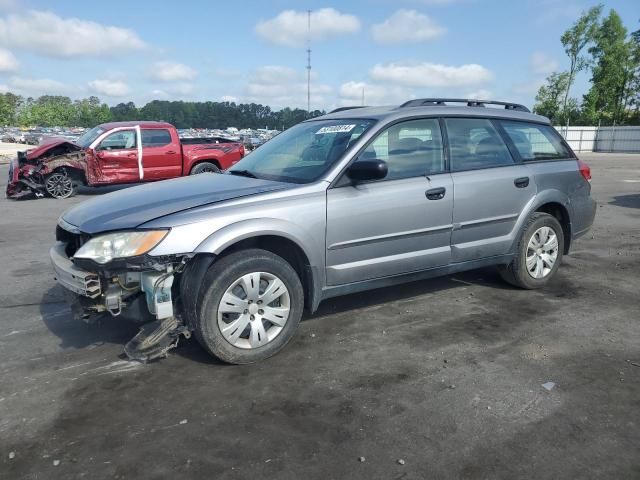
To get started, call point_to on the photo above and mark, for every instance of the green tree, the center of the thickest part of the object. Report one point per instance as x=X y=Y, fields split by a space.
x=574 y=40
x=615 y=66
x=549 y=101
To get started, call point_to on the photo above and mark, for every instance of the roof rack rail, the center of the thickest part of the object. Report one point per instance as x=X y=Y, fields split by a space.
x=471 y=102
x=342 y=109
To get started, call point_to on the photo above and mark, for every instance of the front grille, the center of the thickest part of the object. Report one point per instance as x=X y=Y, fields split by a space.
x=73 y=241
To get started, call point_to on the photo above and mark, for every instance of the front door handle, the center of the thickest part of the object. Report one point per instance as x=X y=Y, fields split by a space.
x=133 y=155
x=436 y=193
x=521 y=182
x=170 y=152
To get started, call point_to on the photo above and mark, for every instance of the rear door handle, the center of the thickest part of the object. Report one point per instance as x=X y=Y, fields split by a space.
x=170 y=152
x=521 y=182
x=436 y=193
x=133 y=155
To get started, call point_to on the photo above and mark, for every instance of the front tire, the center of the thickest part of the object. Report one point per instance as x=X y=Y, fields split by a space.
x=60 y=185
x=538 y=255
x=205 y=167
x=251 y=303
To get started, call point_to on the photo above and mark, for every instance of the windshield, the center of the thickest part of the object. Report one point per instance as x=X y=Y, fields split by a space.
x=303 y=153
x=89 y=136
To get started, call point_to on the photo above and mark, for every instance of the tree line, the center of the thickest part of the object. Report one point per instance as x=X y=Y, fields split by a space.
x=61 y=111
x=604 y=49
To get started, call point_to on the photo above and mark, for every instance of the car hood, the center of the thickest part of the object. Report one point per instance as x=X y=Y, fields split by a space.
x=134 y=206
x=49 y=144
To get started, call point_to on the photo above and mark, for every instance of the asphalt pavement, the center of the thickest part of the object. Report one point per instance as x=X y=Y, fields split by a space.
x=432 y=380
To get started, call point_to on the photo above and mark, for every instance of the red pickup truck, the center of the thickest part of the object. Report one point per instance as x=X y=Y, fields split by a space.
x=115 y=153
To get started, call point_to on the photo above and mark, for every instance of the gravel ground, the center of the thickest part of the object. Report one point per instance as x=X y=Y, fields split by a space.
x=430 y=380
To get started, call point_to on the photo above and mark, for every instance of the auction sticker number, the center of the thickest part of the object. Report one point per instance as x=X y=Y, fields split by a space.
x=336 y=129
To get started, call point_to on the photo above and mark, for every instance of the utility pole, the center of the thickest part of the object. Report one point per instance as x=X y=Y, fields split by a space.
x=309 y=63
x=363 y=96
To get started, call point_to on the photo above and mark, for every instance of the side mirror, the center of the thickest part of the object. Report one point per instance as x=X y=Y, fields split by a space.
x=362 y=170
x=99 y=153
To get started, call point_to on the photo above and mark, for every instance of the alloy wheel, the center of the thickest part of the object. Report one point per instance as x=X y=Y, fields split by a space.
x=59 y=185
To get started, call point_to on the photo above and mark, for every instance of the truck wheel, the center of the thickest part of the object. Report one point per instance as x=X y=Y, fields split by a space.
x=251 y=303
x=205 y=167
x=60 y=185
x=538 y=254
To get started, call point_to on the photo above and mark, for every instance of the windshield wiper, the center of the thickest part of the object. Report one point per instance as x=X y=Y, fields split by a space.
x=243 y=173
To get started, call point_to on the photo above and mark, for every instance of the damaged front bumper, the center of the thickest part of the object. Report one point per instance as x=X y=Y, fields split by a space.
x=141 y=294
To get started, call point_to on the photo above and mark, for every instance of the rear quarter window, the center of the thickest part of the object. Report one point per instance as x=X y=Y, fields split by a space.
x=535 y=142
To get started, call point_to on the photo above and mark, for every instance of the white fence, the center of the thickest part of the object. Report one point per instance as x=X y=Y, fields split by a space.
x=602 y=139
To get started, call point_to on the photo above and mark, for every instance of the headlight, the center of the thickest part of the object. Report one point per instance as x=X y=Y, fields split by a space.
x=105 y=248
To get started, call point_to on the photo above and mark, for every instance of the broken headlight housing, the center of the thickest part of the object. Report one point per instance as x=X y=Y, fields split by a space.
x=104 y=248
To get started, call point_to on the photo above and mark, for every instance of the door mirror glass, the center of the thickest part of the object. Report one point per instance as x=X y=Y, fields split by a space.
x=364 y=170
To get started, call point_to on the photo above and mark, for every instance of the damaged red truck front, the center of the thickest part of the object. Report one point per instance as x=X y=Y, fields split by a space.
x=55 y=168
x=116 y=153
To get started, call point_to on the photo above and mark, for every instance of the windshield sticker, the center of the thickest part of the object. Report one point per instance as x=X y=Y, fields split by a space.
x=336 y=129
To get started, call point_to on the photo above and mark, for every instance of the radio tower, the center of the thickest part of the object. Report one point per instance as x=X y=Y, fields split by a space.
x=309 y=63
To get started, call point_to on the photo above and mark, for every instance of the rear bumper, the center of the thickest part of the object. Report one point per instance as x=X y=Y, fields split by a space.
x=584 y=213
x=80 y=282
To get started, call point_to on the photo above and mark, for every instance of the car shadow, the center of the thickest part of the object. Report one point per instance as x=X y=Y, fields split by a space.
x=76 y=334
x=627 y=201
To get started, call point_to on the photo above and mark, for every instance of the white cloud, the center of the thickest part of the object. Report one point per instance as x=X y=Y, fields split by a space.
x=159 y=94
x=427 y=74
x=48 y=34
x=181 y=90
x=543 y=64
x=110 y=88
x=38 y=86
x=274 y=74
x=8 y=62
x=229 y=98
x=351 y=94
x=406 y=26
x=481 y=94
x=280 y=86
x=171 y=72
x=290 y=27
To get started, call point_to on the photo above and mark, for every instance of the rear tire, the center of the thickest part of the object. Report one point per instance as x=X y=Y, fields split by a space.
x=538 y=253
x=205 y=167
x=250 y=305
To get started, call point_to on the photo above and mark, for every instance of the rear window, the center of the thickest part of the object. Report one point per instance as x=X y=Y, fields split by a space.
x=535 y=142
x=155 y=137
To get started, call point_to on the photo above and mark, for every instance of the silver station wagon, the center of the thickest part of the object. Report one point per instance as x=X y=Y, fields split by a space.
x=357 y=199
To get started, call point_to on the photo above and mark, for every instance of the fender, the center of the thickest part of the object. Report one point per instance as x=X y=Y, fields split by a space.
x=541 y=198
x=218 y=241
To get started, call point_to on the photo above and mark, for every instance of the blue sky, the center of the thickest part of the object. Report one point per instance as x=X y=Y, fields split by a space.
x=255 y=50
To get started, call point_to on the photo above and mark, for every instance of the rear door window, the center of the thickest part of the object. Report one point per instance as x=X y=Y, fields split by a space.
x=155 y=137
x=475 y=143
x=535 y=142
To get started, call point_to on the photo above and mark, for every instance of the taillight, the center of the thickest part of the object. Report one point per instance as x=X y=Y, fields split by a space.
x=585 y=171
x=242 y=150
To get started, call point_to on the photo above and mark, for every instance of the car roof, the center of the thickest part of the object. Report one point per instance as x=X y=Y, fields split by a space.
x=143 y=124
x=395 y=112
